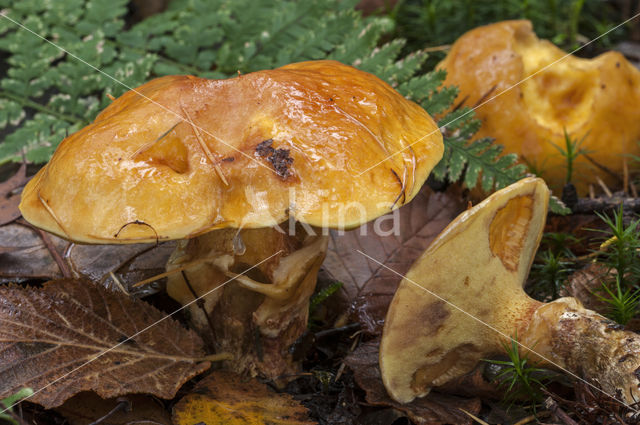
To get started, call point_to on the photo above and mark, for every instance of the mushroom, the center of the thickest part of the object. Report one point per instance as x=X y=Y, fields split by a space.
x=221 y=164
x=528 y=92
x=463 y=298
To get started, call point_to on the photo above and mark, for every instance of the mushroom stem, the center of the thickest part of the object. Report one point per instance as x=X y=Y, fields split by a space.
x=259 y=313
x=587 y=344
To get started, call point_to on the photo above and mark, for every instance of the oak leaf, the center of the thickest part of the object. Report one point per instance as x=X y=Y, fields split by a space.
x=224 y=398
x=369 y=287
x=72 y=336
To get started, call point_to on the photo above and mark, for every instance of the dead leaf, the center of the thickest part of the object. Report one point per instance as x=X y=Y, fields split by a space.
x=224 y=398
x=25 y=256
x=434 y=409
x=585 y=284
x=87 y=407
x=48 y=335
x=368 y=286
x=9 y=197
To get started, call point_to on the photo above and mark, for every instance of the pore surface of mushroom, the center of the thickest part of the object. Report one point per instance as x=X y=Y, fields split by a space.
x=541 y=93
x=477 y=267
x=220 y=163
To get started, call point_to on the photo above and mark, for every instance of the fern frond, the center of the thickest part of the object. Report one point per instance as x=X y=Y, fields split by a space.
x=47 y=93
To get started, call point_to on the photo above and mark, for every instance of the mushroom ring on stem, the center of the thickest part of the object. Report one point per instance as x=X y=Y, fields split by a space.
x=463 y=298
x=220 y=164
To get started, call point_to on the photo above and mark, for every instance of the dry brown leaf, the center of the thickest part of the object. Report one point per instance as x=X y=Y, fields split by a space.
x=586 y=284
x=368 y=286
x=9 y=198
x=86 y=407
x=434 y=409
x=25 y=256
x=47 y=336
x=224 y=398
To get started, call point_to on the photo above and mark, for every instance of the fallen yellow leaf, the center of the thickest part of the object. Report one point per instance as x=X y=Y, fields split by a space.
x=225 y=398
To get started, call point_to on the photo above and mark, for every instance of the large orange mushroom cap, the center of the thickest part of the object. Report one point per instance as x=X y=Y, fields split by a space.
x=181 y=155
x=540 y=92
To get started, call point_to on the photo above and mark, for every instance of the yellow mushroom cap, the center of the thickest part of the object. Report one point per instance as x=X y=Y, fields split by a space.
x=182 y=155
x=540 y=91
x=476 y=268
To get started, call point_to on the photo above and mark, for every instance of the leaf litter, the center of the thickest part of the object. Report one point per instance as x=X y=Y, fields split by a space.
x=10 y=195
x=72 y=336
x=225 y=398
x=368 y=287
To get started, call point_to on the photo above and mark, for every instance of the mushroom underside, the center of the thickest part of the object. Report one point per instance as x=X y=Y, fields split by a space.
x=463 y=300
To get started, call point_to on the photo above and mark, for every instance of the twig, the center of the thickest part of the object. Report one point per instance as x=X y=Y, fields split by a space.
x=356 y=340
x=346 y=328
x=587 y=206
x=625 y=175
x=472 y=416
x=123 y=405
x=632 y=186
x=528 y=419
x=67 y=258
x=128 y=261
x=440 y=48
x=607 y=170
x=604 y=187
x=485 y=96
x=558 y=412
x=170 y=272
x=199 y=302
x=118 y=283
x=204 y=146
x=48 y=243
x=459 y=105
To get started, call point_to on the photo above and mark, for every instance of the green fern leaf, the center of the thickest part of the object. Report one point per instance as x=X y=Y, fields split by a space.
x=48 y=92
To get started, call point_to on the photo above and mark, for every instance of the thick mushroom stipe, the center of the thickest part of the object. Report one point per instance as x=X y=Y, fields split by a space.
x=257 y=316
x=587 y=344
x=540 y=93
x=463 y=299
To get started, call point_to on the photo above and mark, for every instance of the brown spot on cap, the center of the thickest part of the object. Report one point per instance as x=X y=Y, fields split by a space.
x=264 y=148
x=279 y=158
x=433 y=317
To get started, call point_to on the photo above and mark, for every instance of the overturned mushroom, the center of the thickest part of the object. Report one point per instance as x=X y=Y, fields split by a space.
x=464 y=297
x=222 y=163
